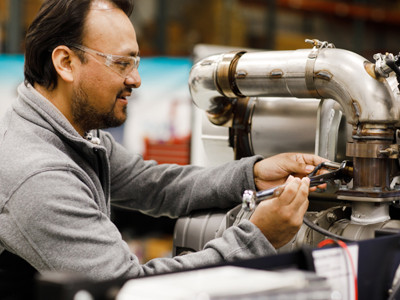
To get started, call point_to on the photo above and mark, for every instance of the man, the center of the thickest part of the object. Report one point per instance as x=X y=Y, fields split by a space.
x=59 y=173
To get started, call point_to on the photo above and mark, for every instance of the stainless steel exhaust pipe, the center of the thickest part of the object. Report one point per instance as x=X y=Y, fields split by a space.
x=330 y=73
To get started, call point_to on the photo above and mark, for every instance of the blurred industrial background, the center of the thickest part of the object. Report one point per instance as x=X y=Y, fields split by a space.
x=173 y=27
x=161 y=119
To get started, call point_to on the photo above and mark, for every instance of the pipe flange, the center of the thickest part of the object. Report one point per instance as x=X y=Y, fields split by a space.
x=225 y=74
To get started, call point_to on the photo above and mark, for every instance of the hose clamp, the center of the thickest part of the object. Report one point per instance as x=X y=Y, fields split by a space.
x=309 y=74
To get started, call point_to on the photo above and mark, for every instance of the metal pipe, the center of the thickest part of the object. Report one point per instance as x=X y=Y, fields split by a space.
x=329 y=73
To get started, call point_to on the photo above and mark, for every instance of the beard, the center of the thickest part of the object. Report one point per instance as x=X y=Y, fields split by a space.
x=88 y=117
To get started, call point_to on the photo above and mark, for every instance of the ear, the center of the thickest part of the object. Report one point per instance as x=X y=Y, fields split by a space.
x=62 y=57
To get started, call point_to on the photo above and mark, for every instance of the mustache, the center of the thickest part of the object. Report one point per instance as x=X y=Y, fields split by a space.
x=124 y=91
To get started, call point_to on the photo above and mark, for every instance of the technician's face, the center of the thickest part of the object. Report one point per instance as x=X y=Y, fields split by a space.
x=99 y=97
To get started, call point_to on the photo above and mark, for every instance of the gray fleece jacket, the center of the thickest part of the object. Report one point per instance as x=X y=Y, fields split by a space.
x=56 y=188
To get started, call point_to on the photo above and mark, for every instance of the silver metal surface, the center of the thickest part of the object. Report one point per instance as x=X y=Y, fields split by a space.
x=369 y=213
x=276 y=123
x=332 y=131
x=344 y=76
x=367 y=199
x=348 y=229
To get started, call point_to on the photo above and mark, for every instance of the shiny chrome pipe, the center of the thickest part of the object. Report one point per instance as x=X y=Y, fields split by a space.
x=350 y=79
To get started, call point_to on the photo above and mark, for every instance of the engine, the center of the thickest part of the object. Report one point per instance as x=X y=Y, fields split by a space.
x=322 y=100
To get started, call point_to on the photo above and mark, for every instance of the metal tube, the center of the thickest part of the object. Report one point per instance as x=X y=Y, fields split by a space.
x=331 y=73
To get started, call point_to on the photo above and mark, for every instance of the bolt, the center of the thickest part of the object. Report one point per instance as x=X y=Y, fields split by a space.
x=331 y=217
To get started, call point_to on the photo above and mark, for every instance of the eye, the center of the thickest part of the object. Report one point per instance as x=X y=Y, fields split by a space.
x=122 y=64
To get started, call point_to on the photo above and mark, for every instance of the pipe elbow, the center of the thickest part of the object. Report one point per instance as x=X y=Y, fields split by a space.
x=341 y=75
x=210 y=85
x=202 y=85
x=350 y=79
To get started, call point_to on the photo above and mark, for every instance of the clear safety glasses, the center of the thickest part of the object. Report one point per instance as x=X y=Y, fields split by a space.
x=122 y=65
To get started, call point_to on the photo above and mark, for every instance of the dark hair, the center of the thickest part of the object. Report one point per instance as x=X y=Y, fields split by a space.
x=59 y=22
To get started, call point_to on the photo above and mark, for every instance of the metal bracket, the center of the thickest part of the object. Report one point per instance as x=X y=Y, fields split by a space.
x=309 y=74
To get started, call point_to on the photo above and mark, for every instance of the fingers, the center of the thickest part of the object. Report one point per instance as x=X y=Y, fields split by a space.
x=280 y=218
x=274 y=170
x=295 y=191
x=295 y=202
x=321 y=187
x=295 y=166
x=302 y=202
x=302 y=163
x=312 y=160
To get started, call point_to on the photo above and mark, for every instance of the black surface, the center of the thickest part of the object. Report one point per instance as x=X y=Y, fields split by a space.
x=16 y=278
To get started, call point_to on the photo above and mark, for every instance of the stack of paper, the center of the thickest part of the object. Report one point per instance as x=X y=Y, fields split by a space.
x=227 y=282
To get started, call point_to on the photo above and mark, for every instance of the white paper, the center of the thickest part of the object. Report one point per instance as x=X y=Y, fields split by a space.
x=206 y=283
x=335 y=265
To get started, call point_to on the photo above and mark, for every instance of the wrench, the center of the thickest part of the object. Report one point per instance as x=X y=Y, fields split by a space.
x=343 y=171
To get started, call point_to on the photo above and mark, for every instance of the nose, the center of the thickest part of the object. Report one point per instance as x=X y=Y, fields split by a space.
x=133 y=79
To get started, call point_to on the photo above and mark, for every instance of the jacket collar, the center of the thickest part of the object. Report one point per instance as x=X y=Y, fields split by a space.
x=43 y=113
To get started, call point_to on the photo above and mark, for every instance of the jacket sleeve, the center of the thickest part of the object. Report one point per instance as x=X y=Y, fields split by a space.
x=174 y=190
x=53 y=223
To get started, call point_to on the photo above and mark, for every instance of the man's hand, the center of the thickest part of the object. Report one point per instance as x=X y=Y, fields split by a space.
x=273 y=171
x=280 y=218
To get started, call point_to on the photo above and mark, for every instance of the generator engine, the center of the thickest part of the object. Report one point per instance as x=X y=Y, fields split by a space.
x=322 y=100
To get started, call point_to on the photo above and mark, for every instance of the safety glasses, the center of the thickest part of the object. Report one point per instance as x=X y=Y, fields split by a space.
x=122 y=65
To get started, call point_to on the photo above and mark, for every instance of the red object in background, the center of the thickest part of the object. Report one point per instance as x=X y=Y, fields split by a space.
x=173 y=151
